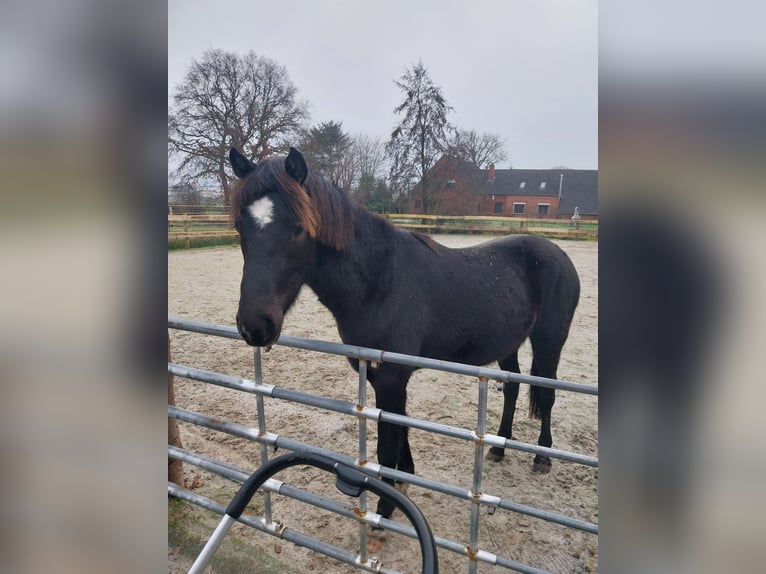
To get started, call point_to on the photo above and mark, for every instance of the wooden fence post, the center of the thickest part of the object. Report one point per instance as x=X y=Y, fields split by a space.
x=175 y=467
x=187 y=240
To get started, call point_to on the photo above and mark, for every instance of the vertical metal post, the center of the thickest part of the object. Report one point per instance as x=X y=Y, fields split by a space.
x=212 y=545
x=362 y=456
x=478 y=468
x=262 y=428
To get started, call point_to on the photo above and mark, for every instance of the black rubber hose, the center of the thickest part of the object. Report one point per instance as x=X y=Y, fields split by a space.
x=350 y=481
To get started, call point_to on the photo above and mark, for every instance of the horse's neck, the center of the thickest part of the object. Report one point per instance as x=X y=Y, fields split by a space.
x=343 y=280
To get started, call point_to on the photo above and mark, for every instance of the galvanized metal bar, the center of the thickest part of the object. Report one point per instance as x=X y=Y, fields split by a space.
x=221 y=380
x=243 y=431
x=362 y=403
x=478 y=467
x=206 y=463
x=326 y=403
x=271 y=485
x=375 y=355
x=548 y=516
x=495 y=440
x=203 y=328
x=362 y=413
x=261 y=410
x=228 y=427
x=288 y=534
x=360 y=406
x=349 y=408
x=438 y=428
x=212 y=545
x=492 y=374
x=239 y=475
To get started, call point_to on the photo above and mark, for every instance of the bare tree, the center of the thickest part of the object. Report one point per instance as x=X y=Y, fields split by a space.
x=420 y=138
x=229 y=100
x=363 y=166
x=187 y=193
x=479 y=150
x=370 y=155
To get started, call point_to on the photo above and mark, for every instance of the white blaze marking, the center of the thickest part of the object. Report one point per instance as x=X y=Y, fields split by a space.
x=262 y=211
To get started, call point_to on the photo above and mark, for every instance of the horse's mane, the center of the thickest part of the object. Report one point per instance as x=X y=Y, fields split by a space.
x=428 y=242
x=323 y=210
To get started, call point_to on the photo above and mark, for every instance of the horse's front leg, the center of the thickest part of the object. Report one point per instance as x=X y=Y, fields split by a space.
x=393 y=445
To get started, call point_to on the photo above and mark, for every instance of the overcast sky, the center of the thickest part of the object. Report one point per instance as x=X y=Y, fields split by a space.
x=524 y=69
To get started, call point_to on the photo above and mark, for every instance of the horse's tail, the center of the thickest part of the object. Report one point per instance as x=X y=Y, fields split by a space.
x=538 y=396
x=556 y=285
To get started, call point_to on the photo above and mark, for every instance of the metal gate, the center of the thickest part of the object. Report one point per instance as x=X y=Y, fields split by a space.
x=478 y=436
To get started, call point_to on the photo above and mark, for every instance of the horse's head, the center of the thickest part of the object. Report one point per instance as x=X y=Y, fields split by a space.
x=277 y=224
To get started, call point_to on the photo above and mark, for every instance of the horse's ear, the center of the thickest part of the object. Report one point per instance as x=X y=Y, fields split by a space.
x=240 y=164
x=295 y=166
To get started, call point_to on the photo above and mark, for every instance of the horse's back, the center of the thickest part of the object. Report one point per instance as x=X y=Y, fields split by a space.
x=538 y=256
x=550 y=276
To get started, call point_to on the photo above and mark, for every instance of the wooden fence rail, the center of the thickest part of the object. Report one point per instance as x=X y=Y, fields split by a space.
x=188 y=227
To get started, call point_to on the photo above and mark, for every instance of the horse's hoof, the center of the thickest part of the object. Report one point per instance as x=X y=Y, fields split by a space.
x=541 y=466
x=494 y=456
x=375 y=538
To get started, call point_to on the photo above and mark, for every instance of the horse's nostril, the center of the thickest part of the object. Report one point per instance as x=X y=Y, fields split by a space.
x=269 y=327
x=258 y=331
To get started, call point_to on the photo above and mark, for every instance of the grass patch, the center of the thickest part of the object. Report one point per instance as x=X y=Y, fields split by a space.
x=243 y=549
x=195 y=242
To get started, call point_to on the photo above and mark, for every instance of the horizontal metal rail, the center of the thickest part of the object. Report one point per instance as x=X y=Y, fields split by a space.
x=279 y=531
x=278 y=441
x=479 y=437
x=370 y=518
x=378 y=356
x=348 y=408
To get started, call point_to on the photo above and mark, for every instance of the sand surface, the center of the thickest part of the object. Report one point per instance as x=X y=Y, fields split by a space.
x=204 y=285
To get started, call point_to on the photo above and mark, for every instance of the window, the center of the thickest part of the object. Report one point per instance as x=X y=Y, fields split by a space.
x=522 y=185
x=450 y=183
x=498 y=207
x=542 y=186
x=543 y=209
x=418 y=203
x=519 y=208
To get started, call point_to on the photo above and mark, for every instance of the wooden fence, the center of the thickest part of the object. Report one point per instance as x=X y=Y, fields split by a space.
x=487 y=224
x=192 y=229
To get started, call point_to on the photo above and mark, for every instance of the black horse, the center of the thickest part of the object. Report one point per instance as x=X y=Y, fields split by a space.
x=398 y=291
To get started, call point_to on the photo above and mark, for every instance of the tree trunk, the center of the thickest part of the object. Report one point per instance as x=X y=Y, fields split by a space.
x=427 y=207
x=224 y=186
x=175 y=467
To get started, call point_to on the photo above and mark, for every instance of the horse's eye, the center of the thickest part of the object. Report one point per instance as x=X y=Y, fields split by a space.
x=298 y=233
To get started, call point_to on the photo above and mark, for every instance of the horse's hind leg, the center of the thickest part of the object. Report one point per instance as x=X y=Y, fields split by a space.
x=510 y=393
x=405 y=464
x=559 y=291
x=541 y=399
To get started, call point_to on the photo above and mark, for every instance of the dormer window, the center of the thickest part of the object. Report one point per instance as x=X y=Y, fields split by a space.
x=522 y=185
x=542 y=186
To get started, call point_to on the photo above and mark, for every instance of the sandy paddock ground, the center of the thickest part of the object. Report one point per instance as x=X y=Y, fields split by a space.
x=204 y=285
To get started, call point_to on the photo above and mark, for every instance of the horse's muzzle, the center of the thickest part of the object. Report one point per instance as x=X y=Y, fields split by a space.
x=260 y=331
